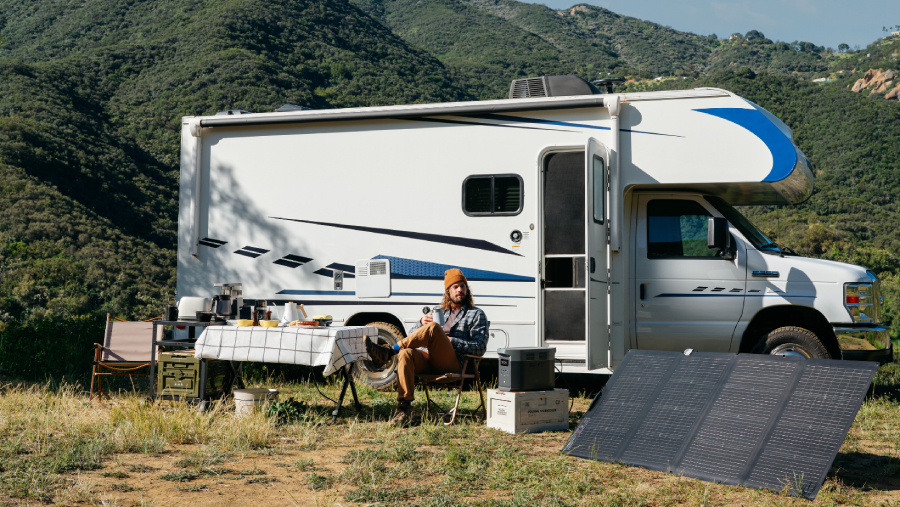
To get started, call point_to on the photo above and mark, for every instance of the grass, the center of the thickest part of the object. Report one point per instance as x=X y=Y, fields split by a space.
x=56 y=447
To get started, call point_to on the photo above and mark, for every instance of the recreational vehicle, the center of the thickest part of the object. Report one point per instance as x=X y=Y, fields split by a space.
x=591 y=222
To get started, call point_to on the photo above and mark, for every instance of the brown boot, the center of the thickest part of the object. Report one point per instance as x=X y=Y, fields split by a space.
x=380 y=354
x=404 y=414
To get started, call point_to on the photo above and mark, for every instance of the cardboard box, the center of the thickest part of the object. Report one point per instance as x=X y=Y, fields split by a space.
x=528 y=411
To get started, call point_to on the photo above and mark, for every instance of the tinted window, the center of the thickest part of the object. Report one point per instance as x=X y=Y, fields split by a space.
x=677 y=229
x=478 y=195
x=492 y=195
x=599 y=189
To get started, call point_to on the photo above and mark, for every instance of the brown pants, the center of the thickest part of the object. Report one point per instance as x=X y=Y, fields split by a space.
x=440 y=358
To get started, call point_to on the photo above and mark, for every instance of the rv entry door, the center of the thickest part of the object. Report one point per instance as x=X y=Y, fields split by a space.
x=597 y=237
x=574 y=275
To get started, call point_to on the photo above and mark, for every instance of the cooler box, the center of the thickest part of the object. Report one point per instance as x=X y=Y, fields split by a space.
x=526 y=368
x=528 y=412
x=179 y=375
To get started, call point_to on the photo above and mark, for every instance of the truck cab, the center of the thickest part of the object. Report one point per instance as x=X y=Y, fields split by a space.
x=746 y=294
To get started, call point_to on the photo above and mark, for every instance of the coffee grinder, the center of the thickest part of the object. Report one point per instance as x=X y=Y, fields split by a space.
x=227 y=303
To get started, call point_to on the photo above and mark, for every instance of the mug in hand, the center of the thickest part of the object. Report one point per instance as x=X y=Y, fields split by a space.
x=437 y=315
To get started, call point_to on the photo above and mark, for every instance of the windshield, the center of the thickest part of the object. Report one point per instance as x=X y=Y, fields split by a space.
x=734 y=217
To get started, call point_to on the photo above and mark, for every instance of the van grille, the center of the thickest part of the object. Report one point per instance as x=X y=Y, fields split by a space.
x=529 y=87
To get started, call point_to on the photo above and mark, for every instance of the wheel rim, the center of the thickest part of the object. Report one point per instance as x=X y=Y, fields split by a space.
x=371 y=371
x=791 y=350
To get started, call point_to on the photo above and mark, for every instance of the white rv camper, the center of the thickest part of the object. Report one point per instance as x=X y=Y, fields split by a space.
x=591 y=222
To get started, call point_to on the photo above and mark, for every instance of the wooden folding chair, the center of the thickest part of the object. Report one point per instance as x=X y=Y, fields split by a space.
x=456 y=381
x=125 y=350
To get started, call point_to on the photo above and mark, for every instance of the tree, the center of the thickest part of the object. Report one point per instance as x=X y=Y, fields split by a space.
x=843 y=47
x=754 y=35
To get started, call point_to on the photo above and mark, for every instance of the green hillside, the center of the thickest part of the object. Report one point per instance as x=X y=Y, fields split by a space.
x=91 y=96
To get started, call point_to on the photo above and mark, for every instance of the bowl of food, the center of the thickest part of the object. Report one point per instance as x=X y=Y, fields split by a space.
x=243 y=323
x=268 y=323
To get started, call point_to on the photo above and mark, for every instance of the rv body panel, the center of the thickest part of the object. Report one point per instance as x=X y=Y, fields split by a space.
x=282 y=202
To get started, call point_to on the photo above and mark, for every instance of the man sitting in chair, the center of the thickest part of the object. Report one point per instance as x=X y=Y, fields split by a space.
x=464 y=332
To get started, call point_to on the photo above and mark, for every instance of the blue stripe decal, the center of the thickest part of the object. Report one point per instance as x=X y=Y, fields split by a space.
x=522 y=119
x=298 y=292
x=413 y=269
x=784 y=155
x=729 y=296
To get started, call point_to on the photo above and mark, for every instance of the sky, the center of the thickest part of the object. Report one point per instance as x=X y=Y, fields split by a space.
x=822 y=22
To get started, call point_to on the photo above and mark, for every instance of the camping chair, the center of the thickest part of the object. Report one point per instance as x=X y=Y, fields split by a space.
x=125 y=349
x=453 y=381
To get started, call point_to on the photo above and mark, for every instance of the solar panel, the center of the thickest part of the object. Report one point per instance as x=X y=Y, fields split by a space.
x=759 y=421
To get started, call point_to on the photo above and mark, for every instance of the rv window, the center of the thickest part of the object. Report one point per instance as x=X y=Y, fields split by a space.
x=492 y=195
x=599 y=189
x=677 y=229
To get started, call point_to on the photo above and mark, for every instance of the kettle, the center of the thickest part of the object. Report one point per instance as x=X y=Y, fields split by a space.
x=221 y=305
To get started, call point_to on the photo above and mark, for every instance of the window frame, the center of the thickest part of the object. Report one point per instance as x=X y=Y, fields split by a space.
x=493 y=213
x=677 y=258
x=605 y=192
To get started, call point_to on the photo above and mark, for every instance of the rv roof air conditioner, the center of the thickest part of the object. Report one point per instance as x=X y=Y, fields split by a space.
x=292 y=107
x=551 y=86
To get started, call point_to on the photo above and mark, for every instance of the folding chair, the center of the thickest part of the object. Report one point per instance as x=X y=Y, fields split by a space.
x=125 y=350
x=453 y=381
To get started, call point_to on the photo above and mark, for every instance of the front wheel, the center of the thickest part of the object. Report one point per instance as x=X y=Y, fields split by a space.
x=793 y=342
x=386 y=376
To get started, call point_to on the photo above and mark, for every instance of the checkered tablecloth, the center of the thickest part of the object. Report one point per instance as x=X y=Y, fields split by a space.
x=332 y=347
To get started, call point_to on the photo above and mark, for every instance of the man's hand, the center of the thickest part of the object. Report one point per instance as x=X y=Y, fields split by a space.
x=427 y=319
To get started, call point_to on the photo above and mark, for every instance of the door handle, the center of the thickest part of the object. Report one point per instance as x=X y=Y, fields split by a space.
x=643 y=292
x=593 y=265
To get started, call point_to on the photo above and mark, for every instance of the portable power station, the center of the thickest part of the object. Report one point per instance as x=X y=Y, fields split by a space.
x=526 y=368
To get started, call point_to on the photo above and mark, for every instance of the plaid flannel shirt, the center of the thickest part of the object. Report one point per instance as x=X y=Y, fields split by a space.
x=469 y=334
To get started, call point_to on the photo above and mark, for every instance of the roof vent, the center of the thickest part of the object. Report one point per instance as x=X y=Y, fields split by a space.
x=550 y=86
x=232 y=112
x=291 y=107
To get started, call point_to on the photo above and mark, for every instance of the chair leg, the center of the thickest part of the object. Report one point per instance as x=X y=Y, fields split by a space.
x=428 y=401
x=480 y=394
x=455 y=410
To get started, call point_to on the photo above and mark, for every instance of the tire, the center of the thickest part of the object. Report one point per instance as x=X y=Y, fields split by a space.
x=793 y=342
x=380 y=378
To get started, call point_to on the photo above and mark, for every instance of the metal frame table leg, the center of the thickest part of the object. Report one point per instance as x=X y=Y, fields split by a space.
x=347 y=380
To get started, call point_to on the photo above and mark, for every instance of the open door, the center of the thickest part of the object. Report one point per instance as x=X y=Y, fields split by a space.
x=597 y=241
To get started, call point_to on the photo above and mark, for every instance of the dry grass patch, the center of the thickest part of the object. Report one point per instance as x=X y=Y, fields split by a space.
x=56 y=447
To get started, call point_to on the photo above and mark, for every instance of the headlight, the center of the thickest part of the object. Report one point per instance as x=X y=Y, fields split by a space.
x=863 y=301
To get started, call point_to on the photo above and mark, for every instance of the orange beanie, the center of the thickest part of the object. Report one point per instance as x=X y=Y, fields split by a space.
x=452 y=276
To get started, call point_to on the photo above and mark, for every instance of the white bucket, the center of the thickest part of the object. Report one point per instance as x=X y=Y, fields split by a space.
x=245 y=400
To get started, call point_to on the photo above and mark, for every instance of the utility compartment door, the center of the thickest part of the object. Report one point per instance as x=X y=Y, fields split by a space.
x=597 y=241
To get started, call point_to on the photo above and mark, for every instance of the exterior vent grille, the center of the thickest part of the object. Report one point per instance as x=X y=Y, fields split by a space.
x=364 y=271
x=529 y=87
x=378 y=268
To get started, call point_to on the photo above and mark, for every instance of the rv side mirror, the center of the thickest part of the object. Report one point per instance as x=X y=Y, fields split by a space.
x=718 y=233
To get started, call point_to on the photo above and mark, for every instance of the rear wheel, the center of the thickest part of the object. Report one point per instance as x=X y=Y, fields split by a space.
x=385 y=376
x=793 y=342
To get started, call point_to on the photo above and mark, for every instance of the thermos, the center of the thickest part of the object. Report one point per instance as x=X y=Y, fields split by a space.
x=171 y=313
x=438 y=316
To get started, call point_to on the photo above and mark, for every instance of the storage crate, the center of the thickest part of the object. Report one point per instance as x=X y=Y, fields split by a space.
x=528 y=411
x=180 y=375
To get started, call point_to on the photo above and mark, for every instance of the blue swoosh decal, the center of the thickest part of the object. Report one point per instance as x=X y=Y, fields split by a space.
x=421 y=270
x=539 y=121
x=784 y=155
x=299 y=292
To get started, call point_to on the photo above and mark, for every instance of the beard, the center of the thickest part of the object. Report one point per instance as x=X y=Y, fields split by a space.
x=458 y=300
